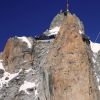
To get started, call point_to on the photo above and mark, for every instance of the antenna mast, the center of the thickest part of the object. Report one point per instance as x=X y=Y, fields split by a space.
x=67 y=5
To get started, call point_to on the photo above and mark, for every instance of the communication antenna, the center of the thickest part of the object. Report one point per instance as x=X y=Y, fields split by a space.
x=67 y=5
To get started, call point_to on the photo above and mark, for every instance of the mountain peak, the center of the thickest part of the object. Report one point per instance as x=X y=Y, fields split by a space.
x=55 y=66
x=68 y=64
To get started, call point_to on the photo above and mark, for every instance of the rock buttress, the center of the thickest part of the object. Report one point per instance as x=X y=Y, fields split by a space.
x=16 y=53
x=68 y=66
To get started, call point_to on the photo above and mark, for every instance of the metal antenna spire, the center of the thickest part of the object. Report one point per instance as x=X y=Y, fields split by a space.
x=67 y=5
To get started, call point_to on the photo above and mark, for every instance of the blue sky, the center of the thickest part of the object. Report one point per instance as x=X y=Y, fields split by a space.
x=30 y=17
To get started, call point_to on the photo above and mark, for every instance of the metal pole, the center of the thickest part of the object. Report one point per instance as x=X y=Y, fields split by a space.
x=67 y=6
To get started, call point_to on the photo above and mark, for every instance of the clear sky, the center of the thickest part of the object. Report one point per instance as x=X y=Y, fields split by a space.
x=30 y=17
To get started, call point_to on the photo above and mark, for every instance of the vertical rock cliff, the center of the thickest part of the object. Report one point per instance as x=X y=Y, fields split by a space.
x=68 y=64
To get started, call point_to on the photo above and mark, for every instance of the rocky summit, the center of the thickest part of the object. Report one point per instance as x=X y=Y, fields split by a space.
x=61 y=64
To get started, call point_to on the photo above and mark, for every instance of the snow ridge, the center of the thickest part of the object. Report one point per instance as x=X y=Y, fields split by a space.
x=26 y=40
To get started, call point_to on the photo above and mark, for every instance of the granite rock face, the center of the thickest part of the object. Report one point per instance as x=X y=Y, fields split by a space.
x=17 y=53
x=68 y=65
x=54 y=69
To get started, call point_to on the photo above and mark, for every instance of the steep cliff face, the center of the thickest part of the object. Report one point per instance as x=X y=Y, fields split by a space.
x=54 y=69
x=68 y=65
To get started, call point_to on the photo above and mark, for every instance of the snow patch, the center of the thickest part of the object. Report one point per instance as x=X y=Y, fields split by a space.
x=54 y=31
x=1 y=60
x=27 y=71
x=98 y=80
x=29 y=85
x=94 y=60
x=51 y=40
x=26 y=40
x=81 y=32
x=1 y=65
x=95 y=47
x=7 y=77
x=99 y=87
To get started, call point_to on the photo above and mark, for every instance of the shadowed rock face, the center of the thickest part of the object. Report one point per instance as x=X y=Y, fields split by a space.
x=68 y=65
x=54 y=69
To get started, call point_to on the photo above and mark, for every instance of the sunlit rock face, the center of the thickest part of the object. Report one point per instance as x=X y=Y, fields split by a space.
x=18 y=51
x=69 y=66
x=59 y=68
